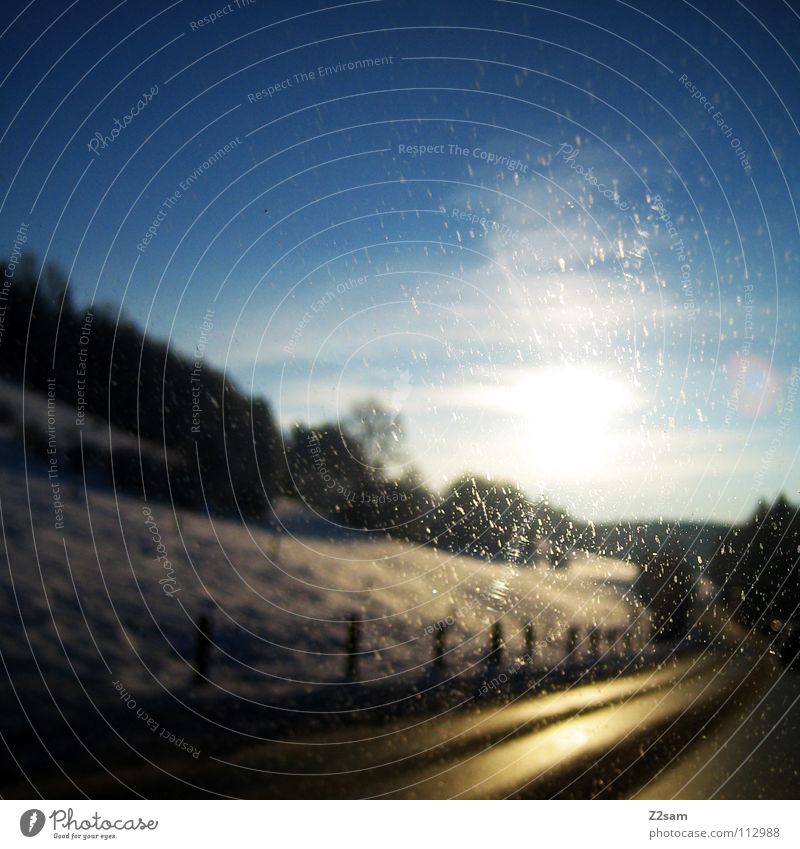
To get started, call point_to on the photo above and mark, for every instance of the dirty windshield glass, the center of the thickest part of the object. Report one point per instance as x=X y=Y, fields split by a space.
x=399 y=399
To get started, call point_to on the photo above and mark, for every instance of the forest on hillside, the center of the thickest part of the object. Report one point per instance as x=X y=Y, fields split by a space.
x=206 y=445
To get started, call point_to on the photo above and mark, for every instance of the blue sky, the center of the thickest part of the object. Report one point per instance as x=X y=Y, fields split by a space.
x=518 y=293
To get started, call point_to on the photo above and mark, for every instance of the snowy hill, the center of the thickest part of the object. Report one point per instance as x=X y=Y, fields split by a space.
x=103 y=593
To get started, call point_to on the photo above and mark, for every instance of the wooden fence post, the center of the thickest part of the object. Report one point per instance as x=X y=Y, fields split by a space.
x=572 y=640
x=594 y=642
x=439 y=635
x=353 y=642
x=530 y=640
x=627 y=642
x=202 y=650
x=496 y=644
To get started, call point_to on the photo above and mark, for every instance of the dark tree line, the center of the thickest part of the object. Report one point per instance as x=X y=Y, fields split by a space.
x=205 y=443
x=754 y=565
x=227 y=452
x=758 y=565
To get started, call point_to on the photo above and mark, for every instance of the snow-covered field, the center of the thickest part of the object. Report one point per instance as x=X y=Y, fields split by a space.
x=91 y=604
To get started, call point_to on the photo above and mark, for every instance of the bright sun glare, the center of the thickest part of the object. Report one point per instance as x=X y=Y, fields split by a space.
x=571 y=415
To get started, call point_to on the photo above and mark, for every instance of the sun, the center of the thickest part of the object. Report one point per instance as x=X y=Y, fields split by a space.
x=570 y=417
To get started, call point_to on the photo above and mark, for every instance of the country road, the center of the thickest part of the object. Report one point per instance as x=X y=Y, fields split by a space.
x=606 y=739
